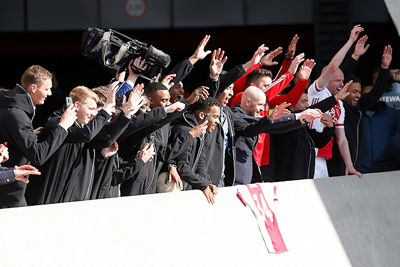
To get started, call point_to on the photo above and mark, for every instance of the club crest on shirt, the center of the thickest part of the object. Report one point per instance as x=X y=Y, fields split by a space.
x=335 y=112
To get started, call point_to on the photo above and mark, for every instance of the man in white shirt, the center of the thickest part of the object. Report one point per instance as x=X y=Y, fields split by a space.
x=329 y=83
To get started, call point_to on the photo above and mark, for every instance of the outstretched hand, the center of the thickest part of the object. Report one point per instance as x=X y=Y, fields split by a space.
x=292 y=47
x=21 y=171
x=279 y=111
x=308 y=115
x=200 y=54
x=305 y=70
x=343 y=92
x=177 y=106
x=167 y=81
x=386 y=57
x=295 y=63
x=267 y=60
x=202 y=92
x=217 y=62
x=357 y=29
x=360 y=47
x=256 y=57
x=135 y=101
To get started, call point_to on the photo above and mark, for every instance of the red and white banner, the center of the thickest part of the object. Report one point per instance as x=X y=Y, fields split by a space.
x=253 y=197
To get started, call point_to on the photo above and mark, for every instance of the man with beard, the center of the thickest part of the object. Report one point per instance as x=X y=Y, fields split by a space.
x=17 y=108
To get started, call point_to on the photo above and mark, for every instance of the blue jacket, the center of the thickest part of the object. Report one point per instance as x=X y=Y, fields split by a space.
x=392 y=96
x=378 y=128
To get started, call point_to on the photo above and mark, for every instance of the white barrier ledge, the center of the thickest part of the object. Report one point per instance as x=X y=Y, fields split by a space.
x=340 y=221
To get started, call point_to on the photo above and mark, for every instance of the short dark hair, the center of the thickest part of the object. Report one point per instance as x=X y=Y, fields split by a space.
x=356 y=79
x=151 y=88
x=205 y=104
x=256 y=74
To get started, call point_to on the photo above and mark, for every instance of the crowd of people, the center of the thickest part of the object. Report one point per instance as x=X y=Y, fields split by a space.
x=240 y=126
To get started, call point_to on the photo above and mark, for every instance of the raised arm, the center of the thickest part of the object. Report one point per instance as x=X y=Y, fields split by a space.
x=334 y=64
x=369 y=99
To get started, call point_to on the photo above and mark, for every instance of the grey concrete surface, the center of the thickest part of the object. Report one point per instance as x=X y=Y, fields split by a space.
x=342 y=221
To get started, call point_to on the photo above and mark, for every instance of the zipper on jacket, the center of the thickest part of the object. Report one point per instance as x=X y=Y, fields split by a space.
x=87 y=195
x=312 y=145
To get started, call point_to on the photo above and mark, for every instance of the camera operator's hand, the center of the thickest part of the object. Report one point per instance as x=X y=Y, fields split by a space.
x=167 y=80
x=138 y=63
x=202 y=92
x=21 y=171
x=69 y=117
x=135 y=101
x=177 y=106
x=217 y=63
x=109 y=106
x=111 y=150
x=200 y=54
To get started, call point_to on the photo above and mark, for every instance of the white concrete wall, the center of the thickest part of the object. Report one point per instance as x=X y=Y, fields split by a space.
x=331 y=222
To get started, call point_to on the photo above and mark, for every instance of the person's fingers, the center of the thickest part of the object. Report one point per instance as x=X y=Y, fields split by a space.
x=169 y=177
x=146 y=146
x=213 y=55
x=221 y=56
x=26 y=167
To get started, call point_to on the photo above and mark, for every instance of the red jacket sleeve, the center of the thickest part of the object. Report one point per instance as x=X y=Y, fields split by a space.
x=284 y=68
x=277 y=86
x=292 y=97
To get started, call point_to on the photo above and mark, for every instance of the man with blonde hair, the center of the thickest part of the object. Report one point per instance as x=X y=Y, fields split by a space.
x=68 y=175
x=17 y=109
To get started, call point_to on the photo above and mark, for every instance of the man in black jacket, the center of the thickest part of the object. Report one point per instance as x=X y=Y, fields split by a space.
x=191 y=161
x=157 y=134
x=220 y=144
x=69 y=174
x=17 y=109
x=294 y=151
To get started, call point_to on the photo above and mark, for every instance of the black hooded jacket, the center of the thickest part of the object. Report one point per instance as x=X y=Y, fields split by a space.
x=187 y=153
x=68 y=174
x=16 y=115
x=294 y=151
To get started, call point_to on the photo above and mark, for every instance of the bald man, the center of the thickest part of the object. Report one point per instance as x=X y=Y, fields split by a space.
x=252 y=104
